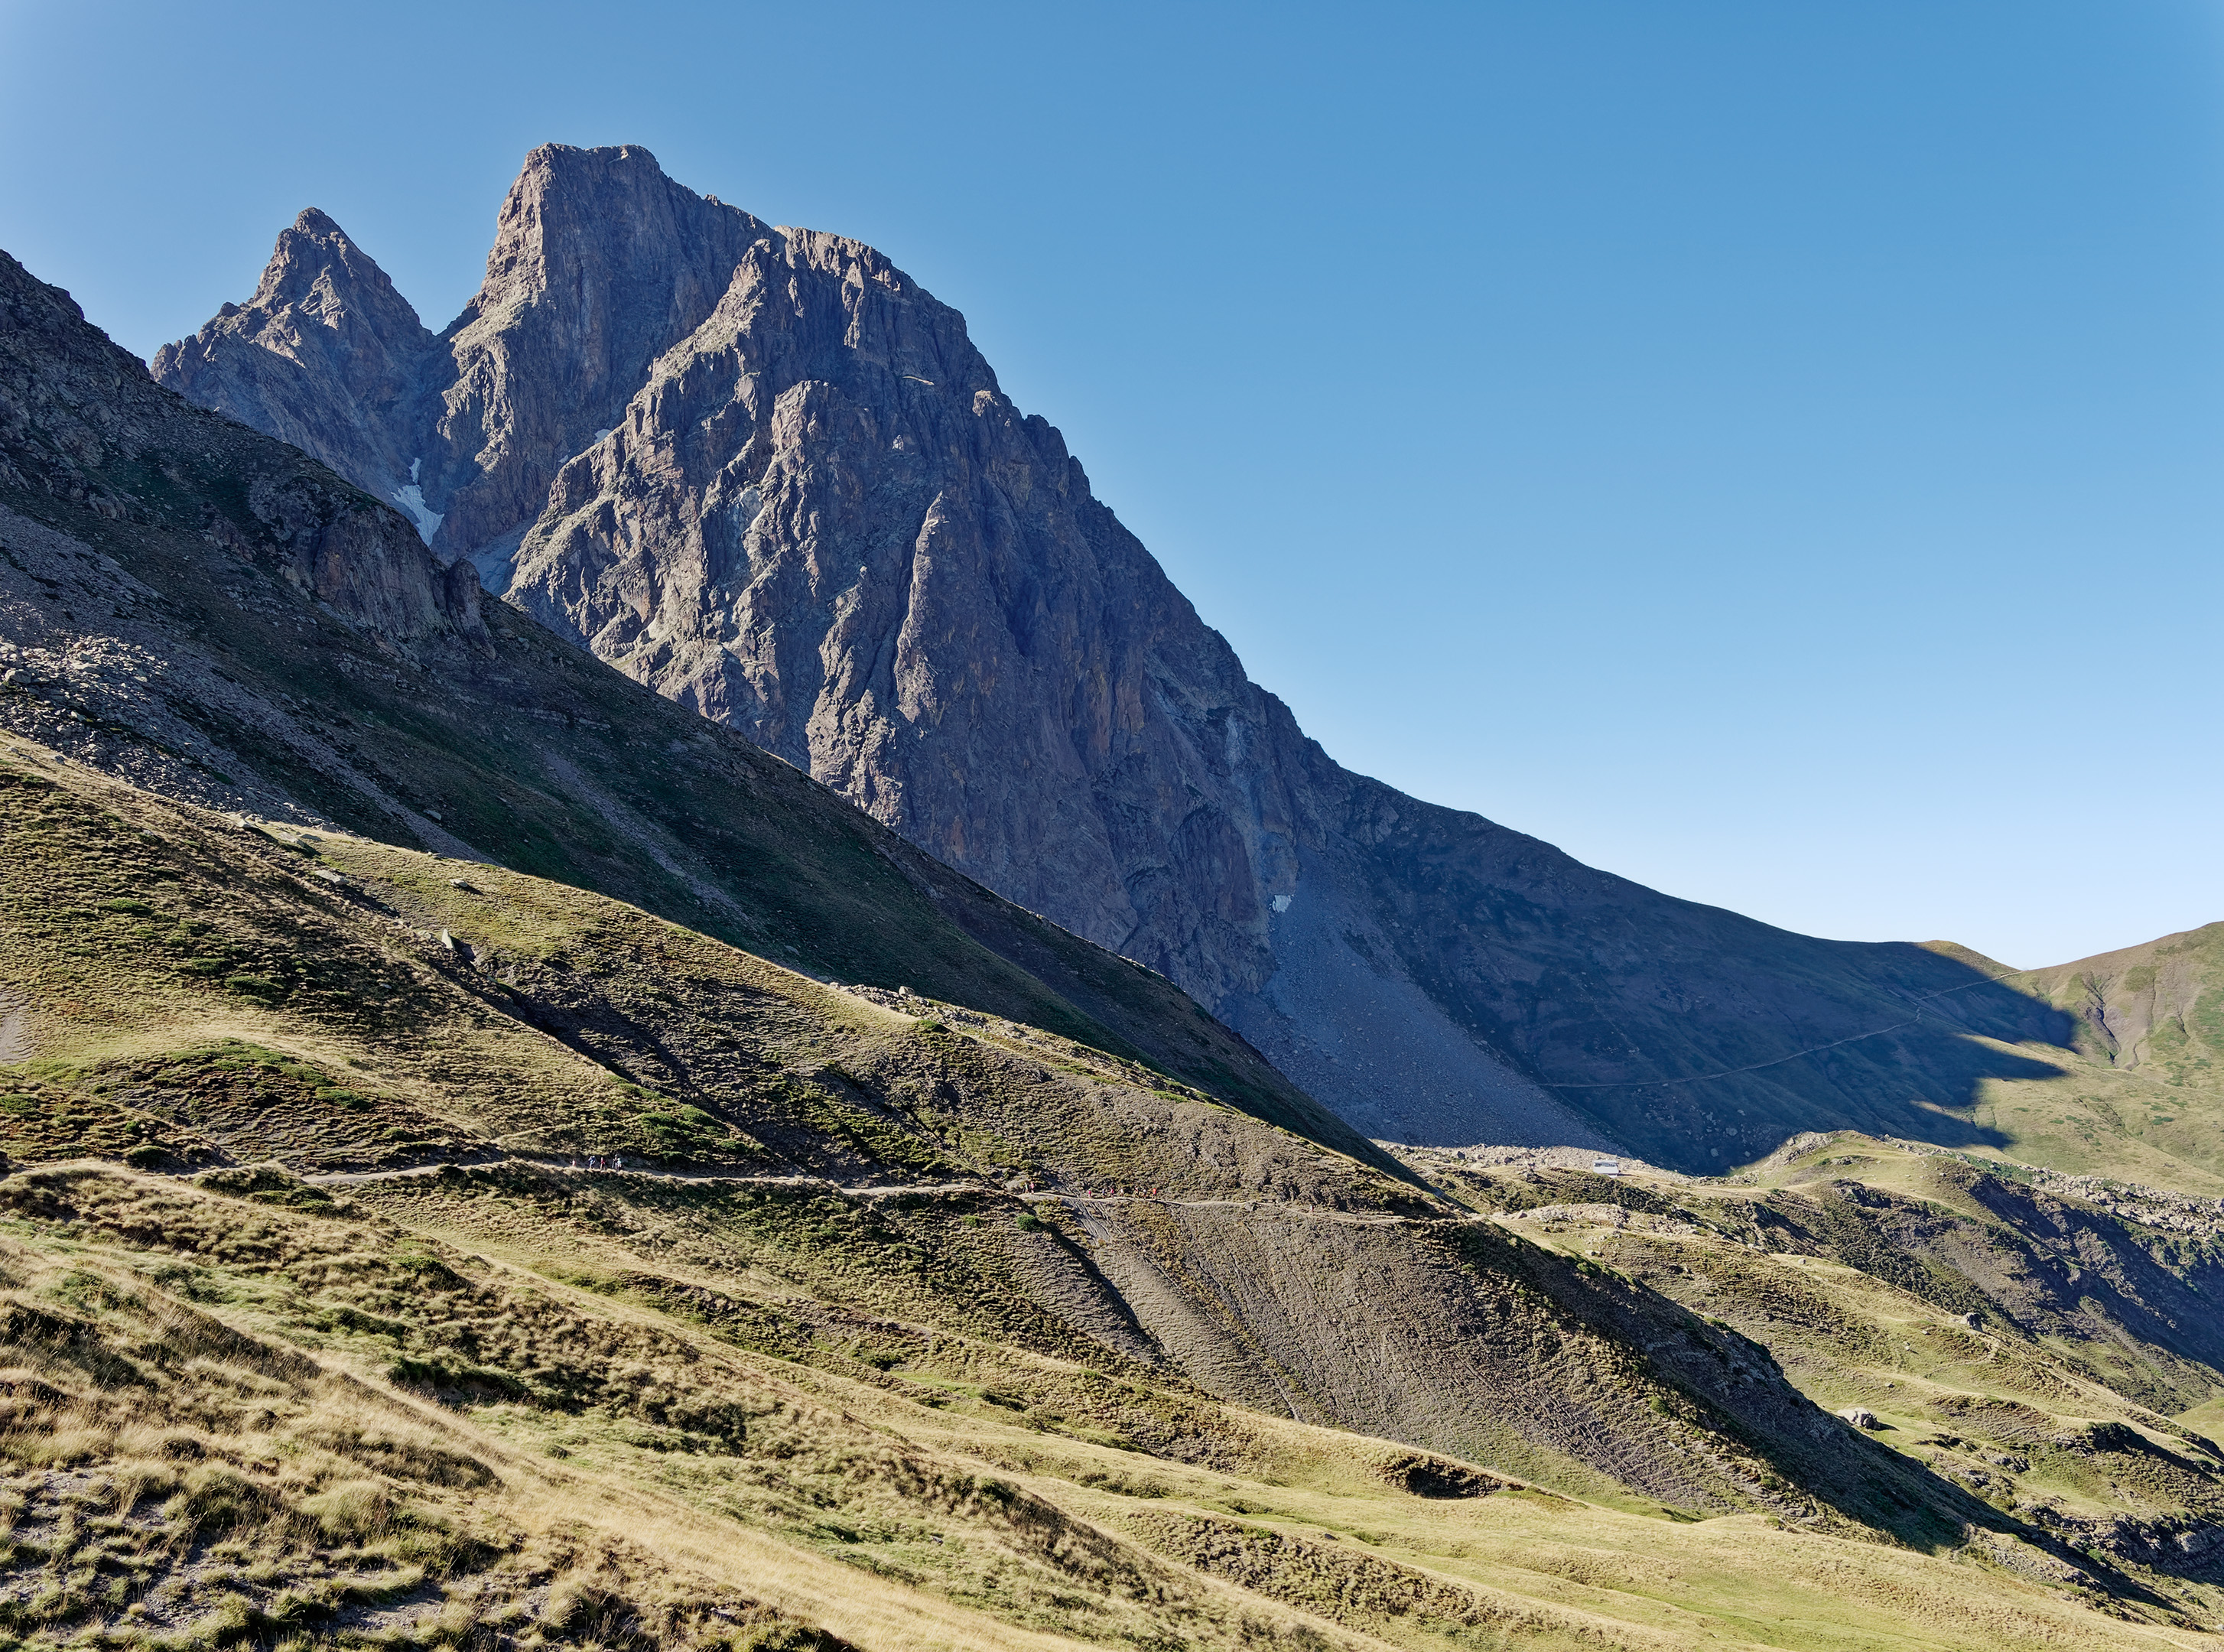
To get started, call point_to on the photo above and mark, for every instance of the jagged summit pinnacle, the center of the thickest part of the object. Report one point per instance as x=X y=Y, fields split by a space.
x=314 y=250
x=600 y=263
x=325 y=355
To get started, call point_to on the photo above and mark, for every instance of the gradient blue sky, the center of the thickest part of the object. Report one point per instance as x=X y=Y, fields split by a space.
x=1769 y=449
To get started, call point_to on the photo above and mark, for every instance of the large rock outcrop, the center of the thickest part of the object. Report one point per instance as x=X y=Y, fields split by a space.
x=80 y=422
x=600 y=265
x=813 y=514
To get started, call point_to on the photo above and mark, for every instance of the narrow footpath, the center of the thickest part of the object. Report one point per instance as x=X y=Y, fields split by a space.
x=852 y=1190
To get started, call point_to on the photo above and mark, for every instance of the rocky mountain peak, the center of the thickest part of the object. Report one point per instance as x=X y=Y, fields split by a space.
x=600 y=263
x=559 y=194
x=763 y=472
x=313 y=252
x=326 y=355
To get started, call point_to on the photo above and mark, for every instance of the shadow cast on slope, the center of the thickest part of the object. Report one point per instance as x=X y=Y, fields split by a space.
x=1697 y=1038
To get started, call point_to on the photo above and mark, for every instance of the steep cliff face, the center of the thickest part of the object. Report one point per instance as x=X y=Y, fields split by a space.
x=820 y=521
x=600 y=262
x=811 y=513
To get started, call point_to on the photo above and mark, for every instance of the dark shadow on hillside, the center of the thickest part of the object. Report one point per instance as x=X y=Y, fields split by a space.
x=2092 y=1282
x=1697 y=1038
x=1916 y=1072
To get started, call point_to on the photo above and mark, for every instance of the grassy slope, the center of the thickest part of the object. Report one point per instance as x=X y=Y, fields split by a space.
x=2142 y=1098
x=667 y=1398
x=201 y=996
x=2055 y=1355
x=266 y=1464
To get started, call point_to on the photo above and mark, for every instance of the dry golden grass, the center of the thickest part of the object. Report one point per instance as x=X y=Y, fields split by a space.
x=288 y=1485
x=517 y=1406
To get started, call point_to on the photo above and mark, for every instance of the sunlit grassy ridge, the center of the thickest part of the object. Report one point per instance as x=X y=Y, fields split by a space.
x=2139 y=1094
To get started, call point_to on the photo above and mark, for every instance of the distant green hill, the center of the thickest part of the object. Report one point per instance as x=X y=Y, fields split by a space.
x=2140 y=1092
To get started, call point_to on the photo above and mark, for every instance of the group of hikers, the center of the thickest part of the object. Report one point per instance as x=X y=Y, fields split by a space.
x=595 y=1161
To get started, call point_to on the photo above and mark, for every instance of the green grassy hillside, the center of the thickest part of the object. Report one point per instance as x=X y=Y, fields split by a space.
x=2046 y=1342
x=2142 y=1096
x=260 y=1414
x=902 y=1324
x=199 y=994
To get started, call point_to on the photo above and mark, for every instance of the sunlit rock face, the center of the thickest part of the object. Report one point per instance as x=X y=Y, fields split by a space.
x=325 y=355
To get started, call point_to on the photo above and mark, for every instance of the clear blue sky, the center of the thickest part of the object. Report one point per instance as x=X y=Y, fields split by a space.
x=1770 y=449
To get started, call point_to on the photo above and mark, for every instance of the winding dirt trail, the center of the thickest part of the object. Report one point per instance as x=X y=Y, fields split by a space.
x=863 y=1190
x=859 y=1190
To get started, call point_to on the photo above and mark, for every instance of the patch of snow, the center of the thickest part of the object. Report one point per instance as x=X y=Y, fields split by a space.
x=749 y=513
x=1281 y=903
x=600 y=435
x=412 y=499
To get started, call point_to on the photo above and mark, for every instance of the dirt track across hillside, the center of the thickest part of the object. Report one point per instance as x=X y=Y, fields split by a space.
x=852 y=1190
